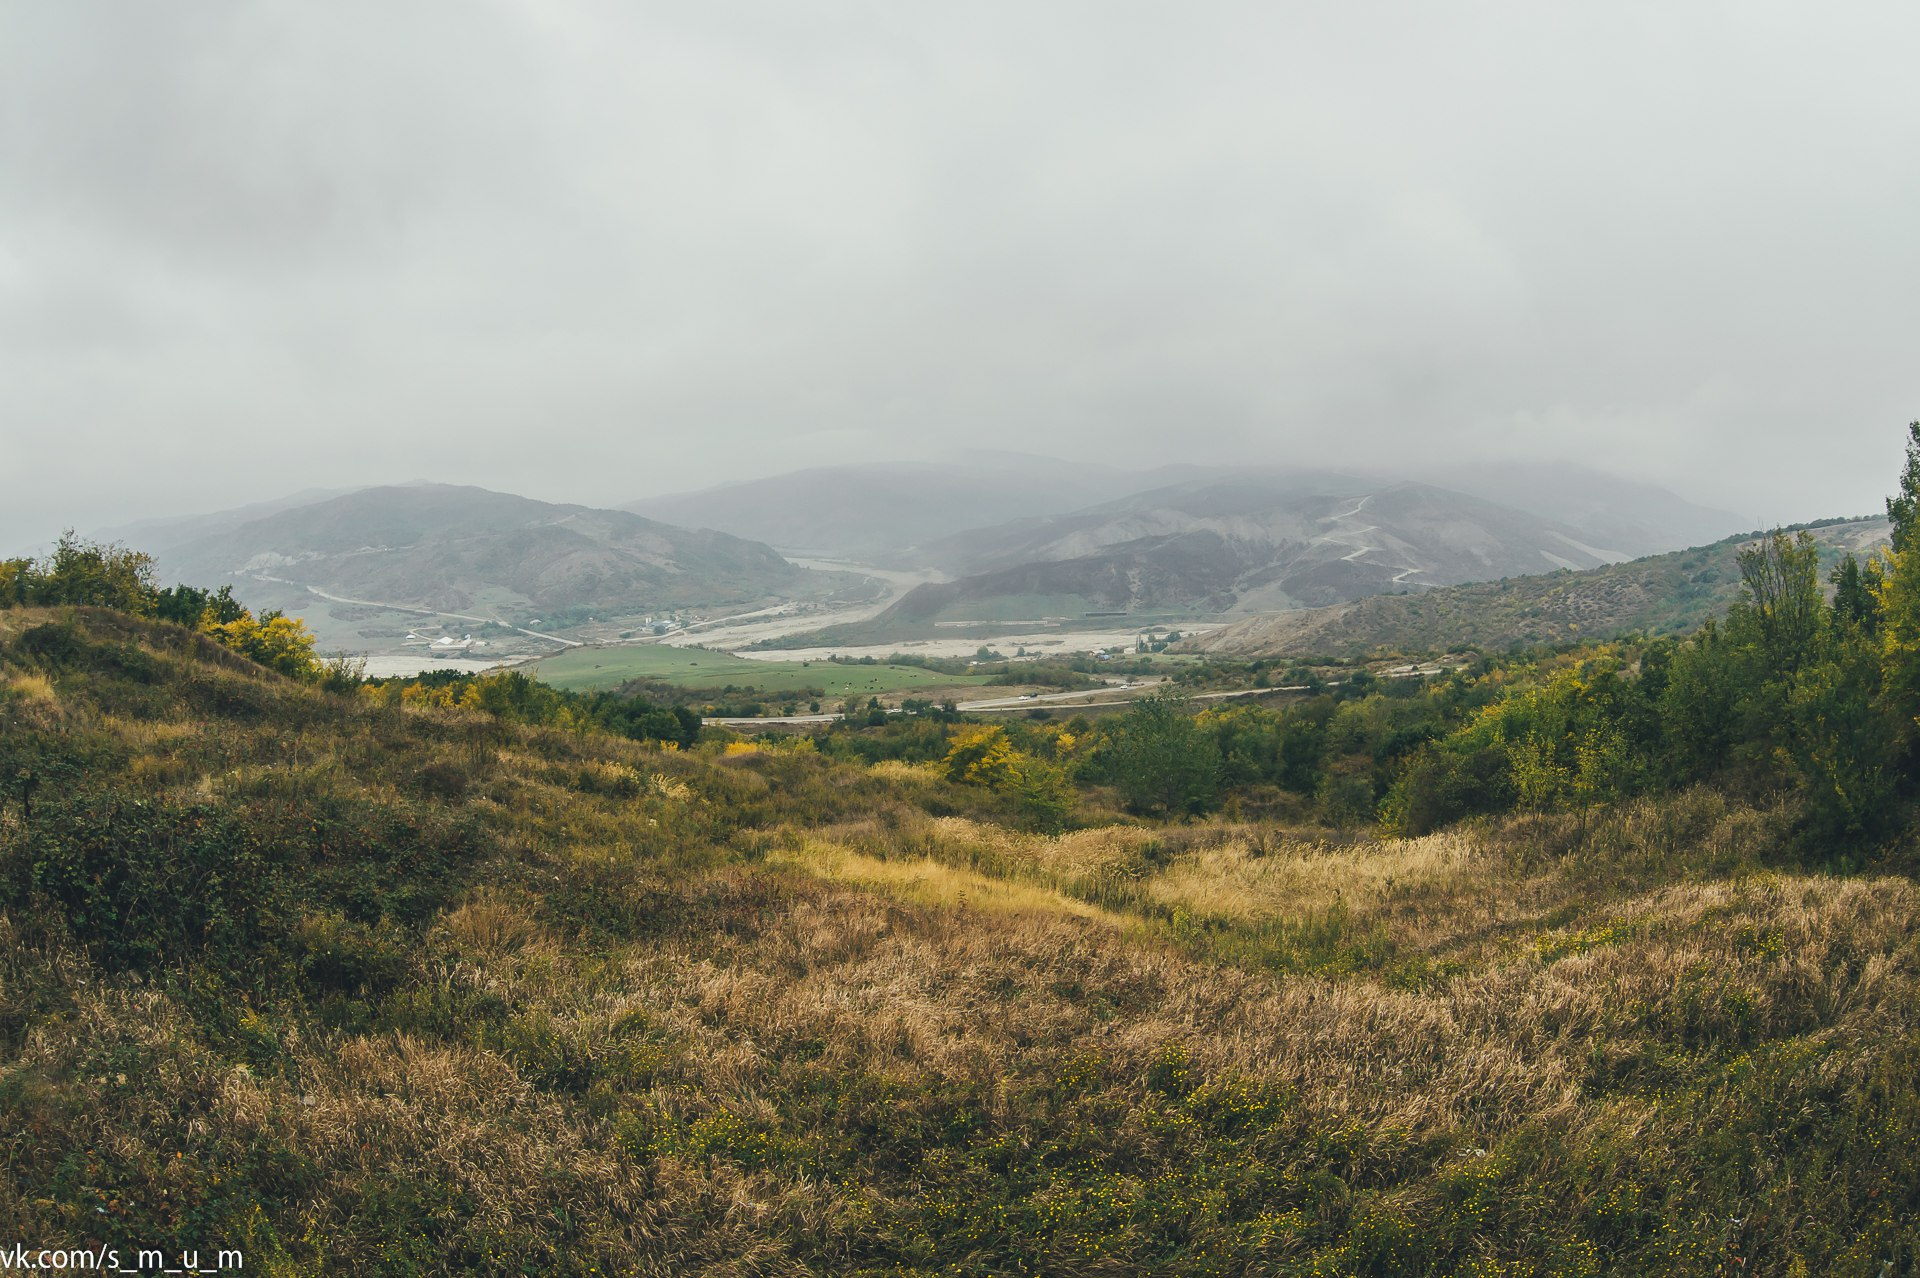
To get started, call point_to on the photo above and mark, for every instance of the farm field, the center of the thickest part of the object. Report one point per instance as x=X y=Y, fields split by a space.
x=586 y=669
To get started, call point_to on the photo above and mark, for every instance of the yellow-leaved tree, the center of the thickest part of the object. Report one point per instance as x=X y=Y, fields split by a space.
x=980 y=756
x=277 y=642
x=1039 y=788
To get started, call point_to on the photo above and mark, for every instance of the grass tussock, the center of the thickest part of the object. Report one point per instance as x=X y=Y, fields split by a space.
x=1248 y=876
x=929 y=882
x=378 y=990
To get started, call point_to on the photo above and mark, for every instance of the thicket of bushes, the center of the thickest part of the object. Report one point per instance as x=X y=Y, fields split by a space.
x=515 y=698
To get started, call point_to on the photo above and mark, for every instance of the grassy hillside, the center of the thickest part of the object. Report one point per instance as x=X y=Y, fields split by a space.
x=1660 y=595
x=360 y=988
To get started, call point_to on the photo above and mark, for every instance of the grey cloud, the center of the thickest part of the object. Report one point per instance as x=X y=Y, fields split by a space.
x=588 y=250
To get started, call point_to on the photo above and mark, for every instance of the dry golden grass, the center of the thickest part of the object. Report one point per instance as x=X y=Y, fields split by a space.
x=930 y=977
x=926 y=881
x=902 y=770
x=491 y=923
x=669 y=788
x=1240 y=878
x=29 y=687
x=1107 y=851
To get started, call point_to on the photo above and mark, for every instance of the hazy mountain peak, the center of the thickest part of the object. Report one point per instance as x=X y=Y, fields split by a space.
x=457 y=546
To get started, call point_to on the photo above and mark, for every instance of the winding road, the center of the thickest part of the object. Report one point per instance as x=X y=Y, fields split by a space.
x=1356 y=538
x=418 y=612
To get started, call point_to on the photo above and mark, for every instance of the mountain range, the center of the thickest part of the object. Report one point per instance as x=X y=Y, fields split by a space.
x=457 y=548
x=881 y=512
x=922 y=514
x=1258 y=541
x=1022 y=539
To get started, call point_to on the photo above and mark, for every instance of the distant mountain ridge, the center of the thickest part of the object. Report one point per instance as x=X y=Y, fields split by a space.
x=1195 y=539
x=453 y=547
x=1658 y=595
x=1255 y=542
x=1626 y=515
x=953 y=515
x=879 y=511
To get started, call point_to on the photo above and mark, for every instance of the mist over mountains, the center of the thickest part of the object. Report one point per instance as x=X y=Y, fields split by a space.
x=1213 y=540
x=1018 y=537
x=453 y=547
x=949 y=515
x=1260 y=543
x=883 y=511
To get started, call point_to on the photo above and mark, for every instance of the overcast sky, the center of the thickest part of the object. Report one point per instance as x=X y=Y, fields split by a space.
x=590 y=251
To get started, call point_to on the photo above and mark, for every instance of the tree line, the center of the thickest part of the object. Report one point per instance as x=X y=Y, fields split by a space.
x=82 y=573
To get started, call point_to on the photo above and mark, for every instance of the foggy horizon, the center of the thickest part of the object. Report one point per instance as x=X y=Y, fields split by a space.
x=588 y=254
x=115 y=527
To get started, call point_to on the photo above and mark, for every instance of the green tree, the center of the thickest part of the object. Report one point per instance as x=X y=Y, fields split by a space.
x=1903 y=508
x=1600 y=766
x=1438 y=786
x=1898 y=597
x=88 y=573
x=191 y=606
x=1161 y=761
x=1783 y=609
x=1854 y=606
x=1842 y=741
x=1538 y=776
x=1040 y=790
x=16 y=577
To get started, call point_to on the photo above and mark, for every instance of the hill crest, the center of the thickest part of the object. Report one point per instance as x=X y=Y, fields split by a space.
x=447 y=546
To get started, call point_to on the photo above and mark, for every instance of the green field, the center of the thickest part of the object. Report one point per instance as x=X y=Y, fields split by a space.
x=585 y=669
